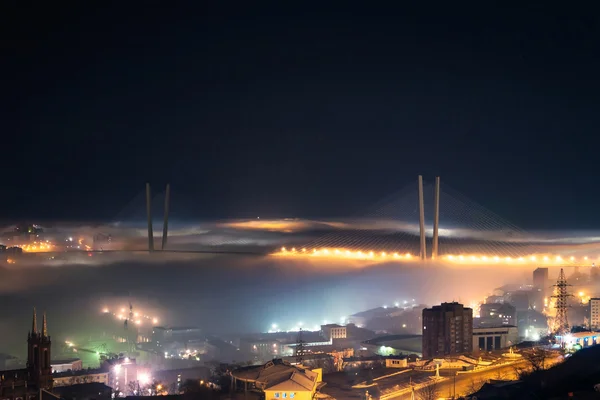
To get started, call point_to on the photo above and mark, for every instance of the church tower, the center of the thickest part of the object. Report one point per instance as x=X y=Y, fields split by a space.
x=38 y=355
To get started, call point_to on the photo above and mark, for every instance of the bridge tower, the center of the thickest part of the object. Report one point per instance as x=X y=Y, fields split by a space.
x=423 y=245
x=149 y=215
x=436 y=218
x=166 y=218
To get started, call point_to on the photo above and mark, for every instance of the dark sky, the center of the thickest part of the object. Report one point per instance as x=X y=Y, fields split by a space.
x=305 y=112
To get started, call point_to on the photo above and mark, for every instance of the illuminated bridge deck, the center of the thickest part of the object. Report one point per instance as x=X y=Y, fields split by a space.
x=478 y=259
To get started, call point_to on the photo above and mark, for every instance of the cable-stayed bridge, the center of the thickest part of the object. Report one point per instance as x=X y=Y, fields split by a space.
x=425 y=221
x=431 y=221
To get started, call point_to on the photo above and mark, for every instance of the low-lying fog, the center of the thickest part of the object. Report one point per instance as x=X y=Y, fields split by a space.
x=224 y=294
x=241 y=293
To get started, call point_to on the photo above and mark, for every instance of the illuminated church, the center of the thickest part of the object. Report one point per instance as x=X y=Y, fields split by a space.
x=35 y=381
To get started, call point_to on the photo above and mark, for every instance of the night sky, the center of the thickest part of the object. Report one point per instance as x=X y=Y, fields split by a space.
x=298 y=112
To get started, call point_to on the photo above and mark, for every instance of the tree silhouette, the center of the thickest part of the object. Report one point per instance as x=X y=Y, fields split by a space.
x=191 y=388
x=536 y=359
x=429 y=392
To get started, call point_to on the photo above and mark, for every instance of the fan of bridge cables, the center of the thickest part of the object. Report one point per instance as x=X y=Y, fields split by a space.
x=392 y=226
x=184 y=219
x=467 y=227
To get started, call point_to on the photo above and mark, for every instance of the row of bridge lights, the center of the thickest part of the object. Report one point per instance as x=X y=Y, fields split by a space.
x=509 y=259
x=339 y=252
x=460 y=258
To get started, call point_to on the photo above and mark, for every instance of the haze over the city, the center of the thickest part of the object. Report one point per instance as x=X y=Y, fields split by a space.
x=355 y=196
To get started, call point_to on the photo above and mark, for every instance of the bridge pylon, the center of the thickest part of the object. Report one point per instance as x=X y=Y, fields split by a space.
x=436 y=219
x=423 y=243
x=149 y=214
x=166 y=218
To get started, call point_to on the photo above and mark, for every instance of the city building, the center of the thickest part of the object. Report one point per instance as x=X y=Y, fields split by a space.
x=10 y=362
x=520 y=299
x=261 y=350
x=333 y=331
x=579 y=340
x=72 y=364
x=531 y=324
x=84 y=391
x=595 y=313
x=278 y=379
x=595 y=273
x=121 y=371
x=494 y=338
x=540 y=279
x=394 y=345
x=396 y=362
x=76 y=377
x=494 y=314
x=34 y=381
x=180 y=375
x=161 y=334
x=447 y=329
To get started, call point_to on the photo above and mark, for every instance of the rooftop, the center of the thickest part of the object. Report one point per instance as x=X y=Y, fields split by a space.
x=448 y=306
x=499 y=326
x=280 y=375
x=80 y=372
x=81 y=389
x=65 y=361
x=176 y=328
x=580 y=335
x=389 y=338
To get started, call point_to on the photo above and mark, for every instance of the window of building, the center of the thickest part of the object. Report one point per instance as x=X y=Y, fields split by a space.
x=292 y=395
x=276 y=395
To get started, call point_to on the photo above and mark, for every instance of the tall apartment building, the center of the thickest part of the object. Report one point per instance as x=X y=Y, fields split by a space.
x=447 y=329
x=540 y=280
x=595 y=313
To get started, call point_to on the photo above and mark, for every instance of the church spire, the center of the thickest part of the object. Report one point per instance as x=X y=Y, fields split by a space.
x=34 y=323
x=44 y=326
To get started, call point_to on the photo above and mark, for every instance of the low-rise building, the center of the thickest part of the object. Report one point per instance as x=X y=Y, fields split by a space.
x=84 y=391
x=261 y=350
x=496 y=314
x=494 y=338
x=333 y=331
x=69 y=378
x=579 y=340
x=121 y=371
x=394 y=345
x=279 y=380
x=396 y=362
x=177 y=376
x=161 y=334
x=71 y=364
